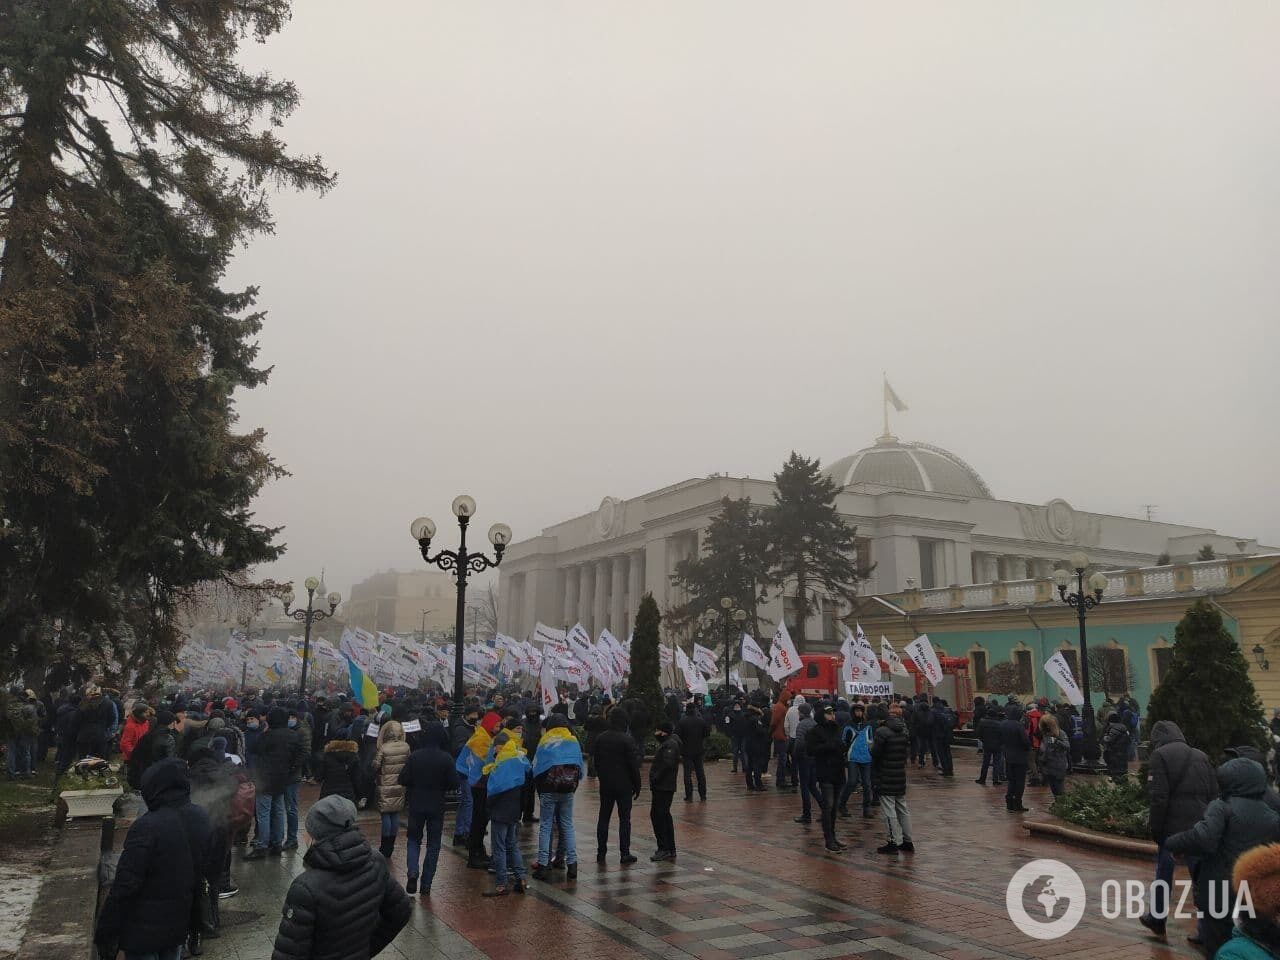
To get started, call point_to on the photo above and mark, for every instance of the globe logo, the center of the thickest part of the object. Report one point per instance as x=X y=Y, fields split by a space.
x=1045 y=899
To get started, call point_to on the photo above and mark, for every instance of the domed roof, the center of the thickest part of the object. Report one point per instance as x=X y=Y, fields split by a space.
x=903 y=465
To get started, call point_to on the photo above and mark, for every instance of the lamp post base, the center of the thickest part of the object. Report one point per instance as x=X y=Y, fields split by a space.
x=1091 y=767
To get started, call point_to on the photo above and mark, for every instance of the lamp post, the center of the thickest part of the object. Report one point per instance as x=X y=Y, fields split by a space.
x=463 y=564
x=729 y=618
x=1077 y=597
x=307 y=617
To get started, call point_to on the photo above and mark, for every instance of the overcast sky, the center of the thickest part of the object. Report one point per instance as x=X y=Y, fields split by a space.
x=587 y=249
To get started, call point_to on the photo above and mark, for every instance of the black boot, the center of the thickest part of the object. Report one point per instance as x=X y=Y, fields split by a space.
x=387 y=847
x=195 y=943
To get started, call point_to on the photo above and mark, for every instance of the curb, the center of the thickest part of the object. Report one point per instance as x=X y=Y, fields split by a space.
x=1083 y=837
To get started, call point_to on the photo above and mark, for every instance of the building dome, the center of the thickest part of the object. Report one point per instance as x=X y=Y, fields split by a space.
x=903 y=465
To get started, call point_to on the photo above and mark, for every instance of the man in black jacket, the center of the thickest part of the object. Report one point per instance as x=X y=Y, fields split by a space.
x=735 y=727
x=148 y=909
x=345 y=903
x=988 y=731
x=427 y=775
x=277 y=754
x=692 y=734
x=890 y=750
x=1181 y=783
x=662 y=786
x=1016 y=747
x=617 y=764
x=825 y=751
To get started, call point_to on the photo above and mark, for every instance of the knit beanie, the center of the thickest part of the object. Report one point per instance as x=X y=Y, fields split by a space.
x=329 y=816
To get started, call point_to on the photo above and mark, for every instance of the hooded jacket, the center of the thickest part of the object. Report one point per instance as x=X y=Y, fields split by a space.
x=148 y=908
x=890 y=748
x=1180 y=781
x=666 y=763
x=344 y=905
x=276 y=754
x=340 y=769
x=1237 y=821
x=134 y=730
x=616 y=758
x=429 y=773
x=393 y=753
x=826 y=751
x=1014 y=740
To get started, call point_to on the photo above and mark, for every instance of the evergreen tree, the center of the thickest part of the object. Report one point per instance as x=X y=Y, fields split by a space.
x=811 y=548
x=1206 y=553
x=733 y=564
x=135 y=154
x=644 y=686
x=1163 y=560
x=1206 y=690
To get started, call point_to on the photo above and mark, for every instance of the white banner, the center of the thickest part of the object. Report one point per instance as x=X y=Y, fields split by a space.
x=887 y=653
x=784 y=659
x=735 y=681
x=1058 y=668
x=547 y=686
x=920 y=650
x=751 y=652
x=869 y=688
x=548 y=636
x=704 y=659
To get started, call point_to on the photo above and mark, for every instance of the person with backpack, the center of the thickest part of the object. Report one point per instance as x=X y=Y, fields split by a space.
x=558 y=769
x=662 y=790
x=1054 y=754
x=857 y=739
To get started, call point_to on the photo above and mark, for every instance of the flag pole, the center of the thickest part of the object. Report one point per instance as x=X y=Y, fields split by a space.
x=884 y=398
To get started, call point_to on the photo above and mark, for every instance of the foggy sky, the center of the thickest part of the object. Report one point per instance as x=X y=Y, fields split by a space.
x=587 y=249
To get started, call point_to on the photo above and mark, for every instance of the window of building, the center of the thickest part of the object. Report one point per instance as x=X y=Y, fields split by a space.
x=1026 y=671
x=928 y=564
x=978 y=667
x=1163 y=659
x=789 y=615
x=862 y=546
x=1110 y=670
x=1072 y=656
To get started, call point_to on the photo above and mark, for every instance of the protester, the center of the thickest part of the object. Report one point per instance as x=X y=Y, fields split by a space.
x=1115 y=747
x=277 y=754
x=1054 y=754
x=505 y=777
x=805 y=772
x=988 y=731
x=617 y=764
x=890 y=752
x=339 y=771
x=1015 y=745
x=1256 y=937
x=391 y=756
x=344 y=904
x=757 y=746
x=691 y=734
x=778 y=735
x=558 y=769
x=662 y=787
x=426 y=777
x=826 y=751
x=136 y=726
x=857 y=739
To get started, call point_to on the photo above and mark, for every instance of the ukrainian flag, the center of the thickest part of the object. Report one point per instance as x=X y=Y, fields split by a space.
x=365 y=690
x=508 y=767
x=558 y=746
x=472 y=756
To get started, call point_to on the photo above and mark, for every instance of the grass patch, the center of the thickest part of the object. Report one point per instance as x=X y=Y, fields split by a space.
x=25 y=801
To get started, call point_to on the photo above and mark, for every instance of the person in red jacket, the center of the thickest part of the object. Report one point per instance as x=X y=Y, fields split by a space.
x=1037 y=711
x=778 y=732
x=136 y=726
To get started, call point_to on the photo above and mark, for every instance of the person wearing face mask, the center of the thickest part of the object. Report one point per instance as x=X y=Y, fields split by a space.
x=277 y=754
x=297 y=763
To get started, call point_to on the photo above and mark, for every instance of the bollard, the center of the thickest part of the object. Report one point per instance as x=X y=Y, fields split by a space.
x=108 y=841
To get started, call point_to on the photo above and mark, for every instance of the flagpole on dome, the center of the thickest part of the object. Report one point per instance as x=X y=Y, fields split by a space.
x=890 y=397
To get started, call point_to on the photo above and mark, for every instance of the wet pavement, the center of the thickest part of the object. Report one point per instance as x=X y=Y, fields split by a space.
x=750 y=883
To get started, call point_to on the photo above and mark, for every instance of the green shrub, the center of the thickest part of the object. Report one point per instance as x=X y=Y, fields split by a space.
x=717 y=746
x=1101 y=805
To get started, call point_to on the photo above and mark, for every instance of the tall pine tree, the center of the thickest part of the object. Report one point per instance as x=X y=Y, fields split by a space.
x=644 y=689
x=135 y=154
x=1206 y=690
x=811 y=549
x=733 y=564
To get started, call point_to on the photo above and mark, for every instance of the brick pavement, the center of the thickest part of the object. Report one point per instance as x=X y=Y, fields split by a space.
x=751 y=883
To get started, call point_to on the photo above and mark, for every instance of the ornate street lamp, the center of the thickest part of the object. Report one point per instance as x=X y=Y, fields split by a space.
x=1083 y=601
x=307 y=617
x=463 y=564
x=729 y=618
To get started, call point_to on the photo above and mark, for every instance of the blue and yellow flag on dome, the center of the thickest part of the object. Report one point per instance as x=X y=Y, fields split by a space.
x=557 y=747
x=508 y=767
x=472 y=756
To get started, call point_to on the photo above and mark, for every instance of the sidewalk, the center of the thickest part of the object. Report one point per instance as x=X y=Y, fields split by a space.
x=749 y=883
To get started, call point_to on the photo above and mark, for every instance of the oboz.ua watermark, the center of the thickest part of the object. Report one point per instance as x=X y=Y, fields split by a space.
x=1046 y=899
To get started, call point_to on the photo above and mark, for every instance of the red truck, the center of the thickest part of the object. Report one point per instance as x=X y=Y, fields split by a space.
x=820 y=673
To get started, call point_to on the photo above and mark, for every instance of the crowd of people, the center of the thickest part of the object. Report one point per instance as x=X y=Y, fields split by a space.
x=221 y=773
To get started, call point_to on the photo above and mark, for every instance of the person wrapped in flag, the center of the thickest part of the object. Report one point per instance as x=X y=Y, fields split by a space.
x=470 y=764
x=558 y=768
x=505 y=774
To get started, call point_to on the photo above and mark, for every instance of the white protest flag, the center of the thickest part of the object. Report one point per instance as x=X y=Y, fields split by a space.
x=664 y=655
x=547 y=686
x=579 y=641
x=735 y=681
x=1058 y=668
x=691 y=675
x=870 y=662
x=548 y=636
x=890 y=656
x=848 y=659
x=920 y=650
x=704 y=658
x=698 y=683
x=751 y=652
x=784 y=659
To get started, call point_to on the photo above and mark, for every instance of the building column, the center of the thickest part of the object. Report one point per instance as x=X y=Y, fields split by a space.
x=655 y=570
x=618 y=596
x=585 y=586
x=572 y=580
x=635 y=589
x=600 y=605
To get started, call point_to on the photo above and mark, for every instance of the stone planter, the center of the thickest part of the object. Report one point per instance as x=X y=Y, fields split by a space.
x=90 y=803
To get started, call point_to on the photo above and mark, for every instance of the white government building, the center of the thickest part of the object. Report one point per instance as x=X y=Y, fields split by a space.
x=924 y=517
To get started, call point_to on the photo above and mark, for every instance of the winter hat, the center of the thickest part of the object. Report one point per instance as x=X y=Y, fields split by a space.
x=618 y=720
x=164 y=718
x=805 y=710
x=665 y=726
x=330 y=816
x=1260 y=869
x=139 y=709
x=491 y=722
x=218 y=747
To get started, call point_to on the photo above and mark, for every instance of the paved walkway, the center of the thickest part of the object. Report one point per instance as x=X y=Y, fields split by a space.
x=750 y=883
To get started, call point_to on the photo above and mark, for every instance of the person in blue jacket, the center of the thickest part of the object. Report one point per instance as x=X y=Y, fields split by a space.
x=857 y=740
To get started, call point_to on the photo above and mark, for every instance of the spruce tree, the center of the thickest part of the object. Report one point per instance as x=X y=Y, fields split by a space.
x=1207 y=691
x=810 y=546
x=733 y=564
x=644 y=688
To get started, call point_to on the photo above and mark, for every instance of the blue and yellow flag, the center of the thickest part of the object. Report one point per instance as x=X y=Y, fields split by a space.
x=558 y=746
x=508 y=767
x=364 y=689
x=472 y=756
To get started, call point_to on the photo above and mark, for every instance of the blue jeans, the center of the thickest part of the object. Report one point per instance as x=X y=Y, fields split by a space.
x=556 y=809
x=270 y=810
x=781 y=752
x=168 y=953
x=391 y=824
x=20 y=760
x=291 y=812
x=506 y=852
x=992 y=760
x=462 y=820
x=1160 y=891
x=433 y=823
